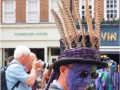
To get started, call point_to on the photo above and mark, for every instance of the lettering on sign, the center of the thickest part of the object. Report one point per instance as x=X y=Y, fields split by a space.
x=31 y=34
x=109 y=36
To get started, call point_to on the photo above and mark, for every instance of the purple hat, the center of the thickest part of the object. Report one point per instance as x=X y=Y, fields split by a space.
x=79 y=55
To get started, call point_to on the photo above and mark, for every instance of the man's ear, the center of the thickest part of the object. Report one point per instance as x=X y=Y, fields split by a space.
x=62 y=69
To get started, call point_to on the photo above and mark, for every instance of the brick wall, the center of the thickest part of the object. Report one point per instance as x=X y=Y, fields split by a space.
x=44 y=10
x=101 y=8
x=20 y=10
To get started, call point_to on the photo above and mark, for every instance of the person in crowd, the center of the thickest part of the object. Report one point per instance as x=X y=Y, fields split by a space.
x=108 y=78
x=16 y=72
x=46 y=76
x=10 y=58
x=75 y=71
x=32 y=58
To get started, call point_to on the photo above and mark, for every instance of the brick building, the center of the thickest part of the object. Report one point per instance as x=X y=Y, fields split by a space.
x=30 y=22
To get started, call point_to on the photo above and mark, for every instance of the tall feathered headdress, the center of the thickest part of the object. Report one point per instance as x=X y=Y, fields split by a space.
x=80 y=46
x=71 y=37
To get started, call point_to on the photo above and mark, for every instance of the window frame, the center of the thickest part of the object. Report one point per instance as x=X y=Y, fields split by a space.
x=3 y=12
x=81 y=4
x=38 y=11
x=115 y=15
x=50 y=13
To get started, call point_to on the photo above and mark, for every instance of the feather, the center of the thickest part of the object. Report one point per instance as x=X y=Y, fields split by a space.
x=66 y=25
x=97 y=22
x=79 y=21
x=71 y=22
x=60 y=27
x=89 y=23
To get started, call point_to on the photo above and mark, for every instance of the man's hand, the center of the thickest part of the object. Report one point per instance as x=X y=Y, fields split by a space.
x=37 y=64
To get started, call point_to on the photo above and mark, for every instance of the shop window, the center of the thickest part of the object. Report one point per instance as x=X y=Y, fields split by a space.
x=55 y=51
x=53 y=60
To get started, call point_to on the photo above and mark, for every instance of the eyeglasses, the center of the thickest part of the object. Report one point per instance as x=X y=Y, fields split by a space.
x=84 y=74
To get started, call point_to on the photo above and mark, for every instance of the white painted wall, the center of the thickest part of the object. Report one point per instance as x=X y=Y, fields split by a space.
x=11 y=36
x=37 y=36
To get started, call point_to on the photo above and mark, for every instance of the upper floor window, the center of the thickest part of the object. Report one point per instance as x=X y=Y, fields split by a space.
x=53 y=5
x=112 y=9
x=8 y=11
x=32 y=11
x=82 y=8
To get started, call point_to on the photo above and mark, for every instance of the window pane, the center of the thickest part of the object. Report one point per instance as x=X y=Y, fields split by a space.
x=115 y=1
x=115 y=11
x=89 y=7
x=83 y=12
x=55 y=51
x=115 y=5
x=33 y=16
x=82 y=7
x=115 y=15
x=32 y=5
x=107 y=15
x=83 y=17
x=9 y=12
x=111 y=15
x=111 y=1
x=83 y=2
x=9 y=6
x=55 y=7
x=111 y=6
x=90 y=2
x=107 y=11
x=107 y=6
x=111 y=11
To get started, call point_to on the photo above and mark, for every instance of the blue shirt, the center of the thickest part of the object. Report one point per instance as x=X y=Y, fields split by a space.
x=14 y=73
x=56 y=84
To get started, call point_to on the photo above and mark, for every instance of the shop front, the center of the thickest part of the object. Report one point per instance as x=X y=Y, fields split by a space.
x=110 y=41
x=41 y=39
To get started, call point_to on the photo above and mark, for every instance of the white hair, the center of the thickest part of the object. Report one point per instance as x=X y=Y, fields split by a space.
x=20 y=50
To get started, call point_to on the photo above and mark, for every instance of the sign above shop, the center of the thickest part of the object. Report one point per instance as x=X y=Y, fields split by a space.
x=30 y=34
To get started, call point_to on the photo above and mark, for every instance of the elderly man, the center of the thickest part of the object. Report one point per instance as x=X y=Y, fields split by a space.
x=32 y=58
x=16 y=74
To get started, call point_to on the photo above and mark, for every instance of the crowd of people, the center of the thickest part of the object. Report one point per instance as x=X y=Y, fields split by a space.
x=30 y=72
x=26 y=69
x=78 y=65
x=109 y=77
